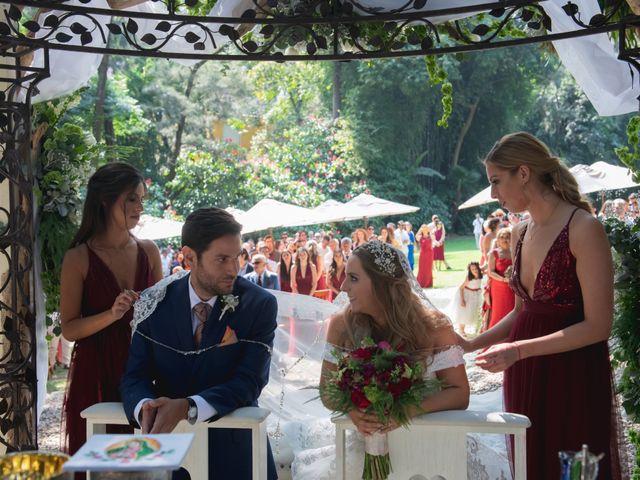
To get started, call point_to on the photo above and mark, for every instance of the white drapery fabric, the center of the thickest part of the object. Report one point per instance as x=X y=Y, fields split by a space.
x=607 y=81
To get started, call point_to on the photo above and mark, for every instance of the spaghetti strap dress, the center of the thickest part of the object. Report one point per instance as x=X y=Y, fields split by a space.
x=304 y=284
x=567 y=396
x=98 y=361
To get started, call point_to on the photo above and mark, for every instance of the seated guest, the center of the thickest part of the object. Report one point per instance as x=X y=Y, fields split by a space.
x=245 y=263
x=261 y=276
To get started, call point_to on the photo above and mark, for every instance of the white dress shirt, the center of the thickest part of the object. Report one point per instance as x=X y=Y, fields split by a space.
x=205 y=409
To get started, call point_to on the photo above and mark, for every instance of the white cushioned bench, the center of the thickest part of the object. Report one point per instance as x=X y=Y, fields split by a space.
x=100 y=415
x=435 y=444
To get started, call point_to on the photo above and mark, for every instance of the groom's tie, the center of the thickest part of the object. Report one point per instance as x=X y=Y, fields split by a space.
x=201 y=311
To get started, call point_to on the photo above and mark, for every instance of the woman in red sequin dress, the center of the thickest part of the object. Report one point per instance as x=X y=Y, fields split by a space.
x=553 y=345
x=500 y=264
x=102 y=274
x=425 y=260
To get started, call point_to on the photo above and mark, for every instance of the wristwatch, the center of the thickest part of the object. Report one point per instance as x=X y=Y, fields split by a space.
x=192 y=412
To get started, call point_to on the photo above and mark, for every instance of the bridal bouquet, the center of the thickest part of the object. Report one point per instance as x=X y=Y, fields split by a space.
x=376 y=379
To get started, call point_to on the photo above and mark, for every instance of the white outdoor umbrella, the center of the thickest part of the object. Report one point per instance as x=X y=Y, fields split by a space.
x=597 y=177
x=367 y=206
x=154 y=228
x=269 y=213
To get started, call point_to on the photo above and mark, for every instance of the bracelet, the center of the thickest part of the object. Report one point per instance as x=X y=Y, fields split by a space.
x=518 y=350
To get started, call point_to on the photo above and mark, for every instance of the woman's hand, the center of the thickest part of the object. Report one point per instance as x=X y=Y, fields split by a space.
x=367 y=423
x=463 y=304
x=498 y=357
x=123 y=303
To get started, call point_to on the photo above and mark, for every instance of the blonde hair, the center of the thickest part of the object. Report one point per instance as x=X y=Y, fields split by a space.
x=504 y=231
x=408 y=323
x=521 y=148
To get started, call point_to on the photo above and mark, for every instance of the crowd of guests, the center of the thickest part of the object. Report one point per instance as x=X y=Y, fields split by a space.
x=313 y=263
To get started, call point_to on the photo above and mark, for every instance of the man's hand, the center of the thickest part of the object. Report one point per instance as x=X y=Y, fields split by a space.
x=168 y=413
x=147 y=416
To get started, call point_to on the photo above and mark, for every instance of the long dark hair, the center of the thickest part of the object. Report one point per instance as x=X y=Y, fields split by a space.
x=285 y=271
x=333 y=272
x=470 y=275
x=105 y=186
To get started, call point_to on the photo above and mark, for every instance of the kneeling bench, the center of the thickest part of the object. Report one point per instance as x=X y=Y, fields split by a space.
x=435 y=444
x=100 y=415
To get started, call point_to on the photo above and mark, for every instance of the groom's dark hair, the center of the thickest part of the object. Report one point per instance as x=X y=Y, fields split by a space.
x=206 y=225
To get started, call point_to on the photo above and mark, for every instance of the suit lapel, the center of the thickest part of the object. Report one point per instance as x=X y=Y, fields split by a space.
x=181 y=317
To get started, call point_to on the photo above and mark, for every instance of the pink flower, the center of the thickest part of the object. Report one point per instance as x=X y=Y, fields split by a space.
x=384 y=345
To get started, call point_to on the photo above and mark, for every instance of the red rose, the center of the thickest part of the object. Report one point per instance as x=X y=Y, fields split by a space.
x=359 y=399
x=397 y=389
x=363 y=353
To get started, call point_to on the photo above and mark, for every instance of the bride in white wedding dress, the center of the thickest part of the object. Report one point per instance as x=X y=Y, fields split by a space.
x=385 y=303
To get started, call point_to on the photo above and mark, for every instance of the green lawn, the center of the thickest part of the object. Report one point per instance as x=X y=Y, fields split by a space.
x=458 y=251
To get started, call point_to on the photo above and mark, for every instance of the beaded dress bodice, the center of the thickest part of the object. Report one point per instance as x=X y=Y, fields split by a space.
x=557 y=281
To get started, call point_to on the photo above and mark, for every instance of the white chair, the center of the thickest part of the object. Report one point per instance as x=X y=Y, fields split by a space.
x=435 y=443
x=100 y=415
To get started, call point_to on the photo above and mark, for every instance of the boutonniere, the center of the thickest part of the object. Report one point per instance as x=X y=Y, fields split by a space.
x=229 y=302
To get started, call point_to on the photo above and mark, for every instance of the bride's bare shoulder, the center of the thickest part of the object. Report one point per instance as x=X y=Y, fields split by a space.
x=444 y=336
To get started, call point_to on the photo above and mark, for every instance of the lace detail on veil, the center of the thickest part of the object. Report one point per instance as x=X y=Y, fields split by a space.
x=151 y=297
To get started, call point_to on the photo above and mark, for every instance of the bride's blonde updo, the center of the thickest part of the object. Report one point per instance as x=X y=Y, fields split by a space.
x=521 y=148
x=408 y=323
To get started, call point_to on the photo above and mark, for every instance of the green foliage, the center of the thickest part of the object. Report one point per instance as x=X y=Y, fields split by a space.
x=625 y=241
x=308 y=163
x=66 y=160
x=631 y=156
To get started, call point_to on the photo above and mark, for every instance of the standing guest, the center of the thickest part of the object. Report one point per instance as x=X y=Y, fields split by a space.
x=552 y=347
x=402 y=237
x=102 y=274
x=336 y=273
x=500 y=268
x=361 y=237
x=334 y=246
x=607 y=210
x=261 y=276
x=371 y=233
x=323 y=247
x=304 y=276
x=292 y=247
x=514 y=219
x=411 y=246
x=272 y=252
x=425 y=260
x=439 y=235
x=165 y=259
x=284 y=271
x=386 y=237
x=486 y=245
x=244 y=263
x=633 y=210
x=345 y=245
x=318 y=261
x=477 y=228
x=500 y=215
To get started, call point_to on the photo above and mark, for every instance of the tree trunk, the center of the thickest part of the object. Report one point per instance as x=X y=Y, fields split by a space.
x=337 y=89
x=456 y=152
x=101 y=93
x=177 y=144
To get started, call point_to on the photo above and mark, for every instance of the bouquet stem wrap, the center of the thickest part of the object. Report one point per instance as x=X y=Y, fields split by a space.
x=377 y=462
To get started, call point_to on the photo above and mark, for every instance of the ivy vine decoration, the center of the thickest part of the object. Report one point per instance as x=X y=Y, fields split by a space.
x=630 y=155
x=438 y=75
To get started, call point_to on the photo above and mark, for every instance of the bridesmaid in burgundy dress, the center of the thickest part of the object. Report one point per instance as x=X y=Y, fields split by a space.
x=284 y=271
x=304 y=277
x=425 y=260
x=102 y=273
x=336 y=273
x=553 y=344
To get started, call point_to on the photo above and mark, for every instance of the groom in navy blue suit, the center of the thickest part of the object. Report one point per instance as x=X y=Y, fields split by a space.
x=212 y=311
